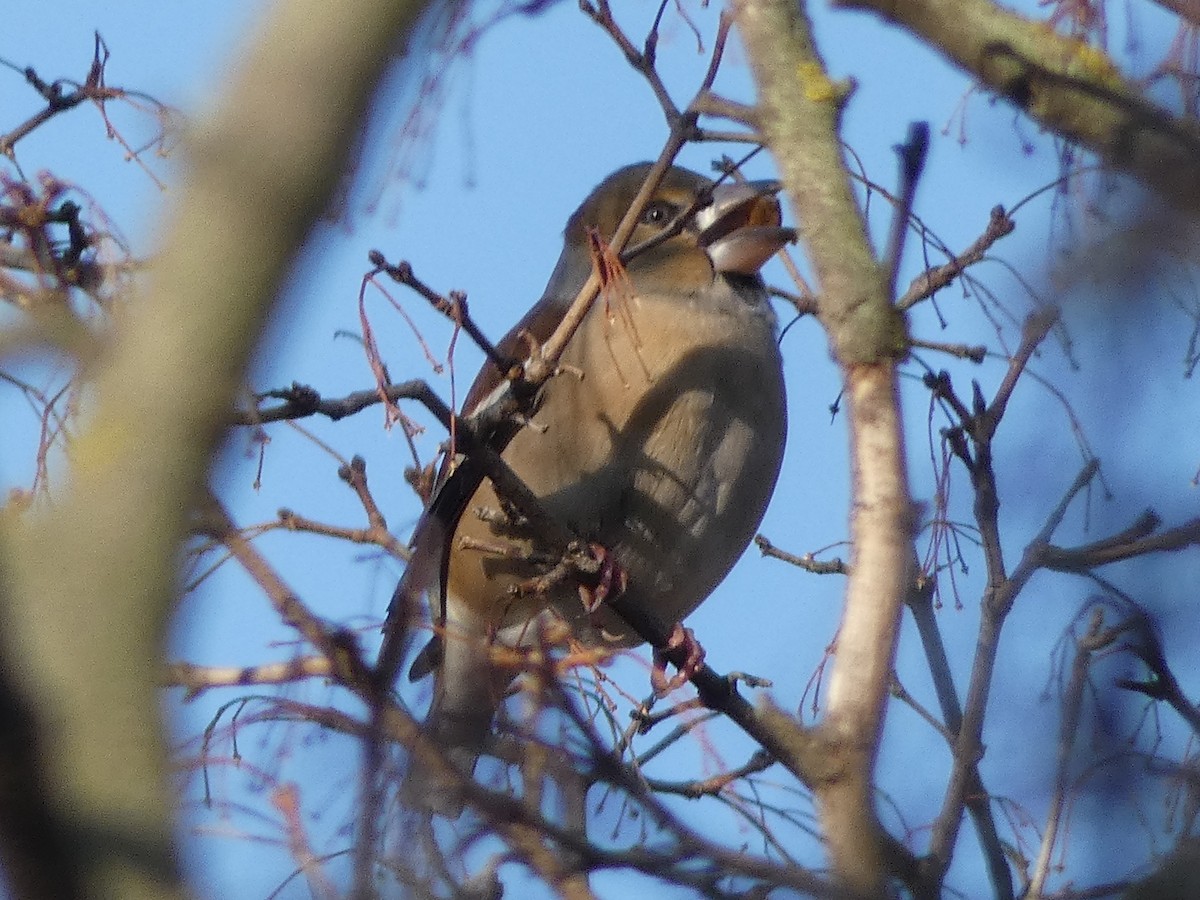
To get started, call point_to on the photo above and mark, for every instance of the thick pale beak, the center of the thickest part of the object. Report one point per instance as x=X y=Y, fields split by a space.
x=740 y=228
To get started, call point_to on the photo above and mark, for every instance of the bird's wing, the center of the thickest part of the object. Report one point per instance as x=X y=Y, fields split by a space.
x=457 y=482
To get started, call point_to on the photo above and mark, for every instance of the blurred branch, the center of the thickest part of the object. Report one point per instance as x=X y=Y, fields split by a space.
x=94 y=575
x=913 y=154
x=35 y=845
x=976 y=353
x=1188 y=10
x=197 y=679
x=47 y=241
x=1146 y=644
x=1072 y=704
x=286 y=801
x=1065 y=84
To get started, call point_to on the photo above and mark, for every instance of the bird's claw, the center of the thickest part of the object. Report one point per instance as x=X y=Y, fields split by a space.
x=681 y=639
x=611 y=579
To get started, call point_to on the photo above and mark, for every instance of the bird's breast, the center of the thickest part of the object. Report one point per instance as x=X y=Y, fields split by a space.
x=660 y=440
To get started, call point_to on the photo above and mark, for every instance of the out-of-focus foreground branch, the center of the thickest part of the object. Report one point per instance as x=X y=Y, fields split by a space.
x=1067 y=85
x=90 y=581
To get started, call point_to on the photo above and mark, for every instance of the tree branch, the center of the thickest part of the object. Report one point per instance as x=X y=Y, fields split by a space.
x=799 y=114
x=1065 y=84
x=93 y=576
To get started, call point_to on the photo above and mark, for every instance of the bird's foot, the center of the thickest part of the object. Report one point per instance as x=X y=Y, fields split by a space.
x=681 y=642
x=610 y=579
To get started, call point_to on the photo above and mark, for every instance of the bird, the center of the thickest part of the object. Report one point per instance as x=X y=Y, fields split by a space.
x=659 y=443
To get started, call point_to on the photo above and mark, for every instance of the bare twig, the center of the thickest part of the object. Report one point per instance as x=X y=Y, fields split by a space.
x=977 y=799
x=1085 y=646
x=759 y=762
x=339 y=647
x=376 y=532
x=301 y=401
x=200 y=678
x=1000 y=224
x=980 y=423
x=1134 y=541
x=808 y=561
x=976 y=353
x=64 y=94
x=912 y=162
x=453 y=307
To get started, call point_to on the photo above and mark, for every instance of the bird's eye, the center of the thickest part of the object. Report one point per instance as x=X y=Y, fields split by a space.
x=659 y=212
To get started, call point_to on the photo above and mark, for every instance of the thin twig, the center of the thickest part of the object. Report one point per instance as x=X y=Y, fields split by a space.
x=1072 y=704
x=338 y=646
x=912 y=162
x=1000 y=224
x=453 y=307
x=301 y=401
x=807 y=562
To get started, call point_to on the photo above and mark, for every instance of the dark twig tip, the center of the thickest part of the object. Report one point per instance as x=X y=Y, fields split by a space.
x=913 y=153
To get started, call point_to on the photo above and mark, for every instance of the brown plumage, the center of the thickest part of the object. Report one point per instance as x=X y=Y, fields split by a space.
x=664 y=452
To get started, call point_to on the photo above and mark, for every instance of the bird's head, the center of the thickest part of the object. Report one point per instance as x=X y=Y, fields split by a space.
x=693 y=230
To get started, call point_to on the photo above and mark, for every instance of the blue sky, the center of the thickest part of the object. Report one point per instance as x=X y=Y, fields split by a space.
x=530 y=120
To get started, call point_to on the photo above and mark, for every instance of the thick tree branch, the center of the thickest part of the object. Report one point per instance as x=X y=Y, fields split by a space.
x=94 y=576
x=799 y=114
x=1065 y=84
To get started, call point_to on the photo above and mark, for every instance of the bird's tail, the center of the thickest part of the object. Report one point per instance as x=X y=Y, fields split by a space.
x=468 y=689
